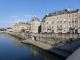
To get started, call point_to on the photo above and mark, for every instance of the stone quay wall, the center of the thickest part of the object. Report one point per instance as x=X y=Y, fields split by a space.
x=48 y=38
x=53 y=38
x=21 y=35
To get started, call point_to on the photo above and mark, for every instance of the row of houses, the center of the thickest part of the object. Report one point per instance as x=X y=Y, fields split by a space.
x=29 y=27
x=62 y=21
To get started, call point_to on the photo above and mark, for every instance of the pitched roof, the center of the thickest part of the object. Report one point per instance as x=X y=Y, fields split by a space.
x=65 y=11
x=35 y=19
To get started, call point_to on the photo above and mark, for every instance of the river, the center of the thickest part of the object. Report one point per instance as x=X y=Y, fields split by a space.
x=11 y=48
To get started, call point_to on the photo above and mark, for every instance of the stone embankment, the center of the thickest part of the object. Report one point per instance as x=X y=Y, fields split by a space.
x=2 y=31
x=62 y=49
x=20 y=35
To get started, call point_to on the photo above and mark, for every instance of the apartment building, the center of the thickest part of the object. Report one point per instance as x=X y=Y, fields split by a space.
x=62 y=21
x=21 y=27
x=35 y=25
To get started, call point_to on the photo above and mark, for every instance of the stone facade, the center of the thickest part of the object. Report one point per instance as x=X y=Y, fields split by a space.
x=35 y=25
x=62 y=21
x=18 y=27
x=9 y=29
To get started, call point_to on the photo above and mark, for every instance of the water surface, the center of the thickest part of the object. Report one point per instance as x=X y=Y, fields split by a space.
x=11 y=48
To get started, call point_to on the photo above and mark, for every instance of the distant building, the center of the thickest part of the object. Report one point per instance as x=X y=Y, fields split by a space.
x=35 y=25
x=21 y=27
x=63 y=21
x=9 y=29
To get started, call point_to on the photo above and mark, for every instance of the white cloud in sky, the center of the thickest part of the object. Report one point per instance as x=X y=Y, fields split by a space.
x=13 y=21
x=7 y=22
x=14 y=16
x=19 y=20
x=27 y=15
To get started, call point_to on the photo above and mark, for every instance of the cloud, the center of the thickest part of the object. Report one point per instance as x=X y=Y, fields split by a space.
x=27 y=15
x=7 y=22
x=14 y=16
x=12 y=22
x=19 y=20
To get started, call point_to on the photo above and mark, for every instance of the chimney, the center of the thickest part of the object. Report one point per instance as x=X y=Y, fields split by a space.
x=68 y=9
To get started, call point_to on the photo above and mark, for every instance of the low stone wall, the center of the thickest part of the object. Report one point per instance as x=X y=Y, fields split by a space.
x=20 y=35
x=55 y=38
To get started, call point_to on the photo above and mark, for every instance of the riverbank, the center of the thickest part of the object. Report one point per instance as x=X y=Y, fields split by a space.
x=2 y=31
x=61 y=49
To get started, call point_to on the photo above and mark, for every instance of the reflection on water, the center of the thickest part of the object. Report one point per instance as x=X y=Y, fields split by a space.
x=13 y=49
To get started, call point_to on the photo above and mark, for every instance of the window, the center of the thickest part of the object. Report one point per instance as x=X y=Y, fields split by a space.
x=69 y=15
x=60 y=26
x=60 y=21
x=64 y=21
x=57 y=21
x=52 y=26
x=47 y=22
x=76 y=20
x=57 y=26
x=72 y=20
x=76 y=25
x=72 y=15
x=72 y=25
x=64 y=26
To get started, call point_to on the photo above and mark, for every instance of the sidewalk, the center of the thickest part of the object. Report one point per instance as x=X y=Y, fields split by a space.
x=38 y=44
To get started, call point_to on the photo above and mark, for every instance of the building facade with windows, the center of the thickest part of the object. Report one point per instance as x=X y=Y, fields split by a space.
x=21 y=27
x=35 y=25
x=63 y=21
x=9 y=30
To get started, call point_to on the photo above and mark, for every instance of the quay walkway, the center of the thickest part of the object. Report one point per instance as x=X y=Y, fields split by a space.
x=63 y=50
x=38 y=44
